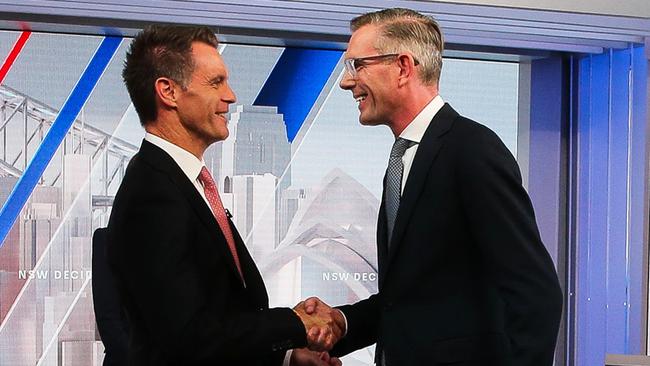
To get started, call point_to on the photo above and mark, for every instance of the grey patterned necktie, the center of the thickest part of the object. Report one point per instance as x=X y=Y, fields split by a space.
x=394 y=182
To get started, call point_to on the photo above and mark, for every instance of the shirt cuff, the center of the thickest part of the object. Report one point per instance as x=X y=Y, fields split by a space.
x=287 y=358
x=346 y=322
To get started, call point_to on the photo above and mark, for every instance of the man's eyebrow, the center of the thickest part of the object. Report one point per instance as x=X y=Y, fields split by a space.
x=217 y=79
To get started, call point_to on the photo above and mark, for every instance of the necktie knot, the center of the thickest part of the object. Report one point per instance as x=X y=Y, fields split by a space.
x=399 y=147
x=206 y=178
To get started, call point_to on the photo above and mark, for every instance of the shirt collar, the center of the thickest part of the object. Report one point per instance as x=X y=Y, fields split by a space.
x=415 y=130
x=189 y=164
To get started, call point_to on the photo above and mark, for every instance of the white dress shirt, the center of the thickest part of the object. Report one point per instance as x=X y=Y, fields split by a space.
x=189 y=164
x=414 y=132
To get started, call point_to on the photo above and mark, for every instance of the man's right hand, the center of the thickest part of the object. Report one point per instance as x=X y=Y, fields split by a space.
x=324 y=325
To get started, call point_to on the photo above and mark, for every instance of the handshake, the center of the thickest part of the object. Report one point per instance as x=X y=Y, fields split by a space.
x=324 y=325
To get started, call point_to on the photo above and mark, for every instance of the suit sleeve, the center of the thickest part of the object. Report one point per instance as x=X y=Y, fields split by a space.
x=363 y=319
x=503 y=225
x=151 y=239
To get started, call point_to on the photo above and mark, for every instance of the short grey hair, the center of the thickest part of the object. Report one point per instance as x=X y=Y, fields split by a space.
x=407 y=30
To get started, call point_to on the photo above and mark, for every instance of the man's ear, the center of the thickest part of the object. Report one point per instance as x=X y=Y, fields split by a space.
x=166 y=90
x=406 y=64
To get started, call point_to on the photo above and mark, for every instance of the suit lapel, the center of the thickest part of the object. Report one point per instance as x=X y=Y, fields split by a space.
x=427 y=151
x=382 y=242
x=254 y=282
x=160 y=159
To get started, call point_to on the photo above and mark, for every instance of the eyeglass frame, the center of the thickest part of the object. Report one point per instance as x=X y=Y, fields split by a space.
x=351 y=68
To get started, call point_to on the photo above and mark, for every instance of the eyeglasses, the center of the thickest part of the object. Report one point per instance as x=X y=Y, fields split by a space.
x=352 y=65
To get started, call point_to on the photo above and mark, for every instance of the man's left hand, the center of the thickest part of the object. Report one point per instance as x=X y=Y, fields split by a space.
x=305 y=357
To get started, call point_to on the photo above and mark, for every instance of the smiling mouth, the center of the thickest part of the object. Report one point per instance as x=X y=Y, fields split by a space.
x=360 y=98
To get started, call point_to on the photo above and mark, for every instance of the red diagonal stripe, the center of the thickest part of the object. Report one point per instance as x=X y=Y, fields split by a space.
x=15 y=51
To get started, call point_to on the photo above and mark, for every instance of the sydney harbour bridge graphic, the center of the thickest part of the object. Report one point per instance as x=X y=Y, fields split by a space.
x=313 y=240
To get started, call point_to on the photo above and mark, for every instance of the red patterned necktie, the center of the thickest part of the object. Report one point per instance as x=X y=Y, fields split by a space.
x=211 y=193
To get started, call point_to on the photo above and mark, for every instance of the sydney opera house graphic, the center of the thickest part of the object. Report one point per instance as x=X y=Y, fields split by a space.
x=312 y=240
x=331 y=239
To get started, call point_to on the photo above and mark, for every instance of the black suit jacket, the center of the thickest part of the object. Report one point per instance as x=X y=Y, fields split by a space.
x=184 y=299
x=467 y=280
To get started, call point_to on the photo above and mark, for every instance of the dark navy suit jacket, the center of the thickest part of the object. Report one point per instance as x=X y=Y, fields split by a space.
x=467 y=280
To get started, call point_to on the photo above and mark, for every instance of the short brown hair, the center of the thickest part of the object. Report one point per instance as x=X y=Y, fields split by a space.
x=160 y=51
x=407 y=30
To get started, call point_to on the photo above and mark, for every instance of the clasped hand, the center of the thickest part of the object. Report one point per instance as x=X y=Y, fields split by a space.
x=324 y=325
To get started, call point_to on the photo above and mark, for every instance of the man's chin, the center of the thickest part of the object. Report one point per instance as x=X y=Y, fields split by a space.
x=222 y=137
x=221 y=133
x=368 y=121
x=216 y=137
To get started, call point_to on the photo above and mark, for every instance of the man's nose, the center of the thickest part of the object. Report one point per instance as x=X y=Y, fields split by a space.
x=230 y=96
x=347 y=81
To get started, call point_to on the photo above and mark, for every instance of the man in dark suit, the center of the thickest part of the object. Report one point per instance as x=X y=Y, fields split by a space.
x=464 y=278
x=191 y=291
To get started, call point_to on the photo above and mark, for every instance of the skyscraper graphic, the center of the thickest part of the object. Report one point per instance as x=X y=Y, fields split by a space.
x=254 y=208
x=252 y=169
x=257 y=144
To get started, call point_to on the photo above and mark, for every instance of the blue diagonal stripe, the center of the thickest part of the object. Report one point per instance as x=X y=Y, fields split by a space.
x=25 y=185
x=295 y=83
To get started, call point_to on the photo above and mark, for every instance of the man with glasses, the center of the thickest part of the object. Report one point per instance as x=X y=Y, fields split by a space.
x=464 y=278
